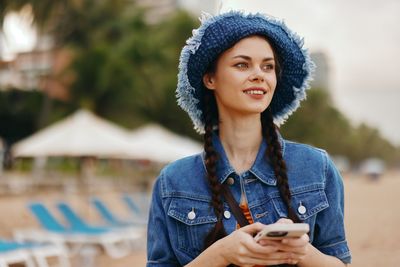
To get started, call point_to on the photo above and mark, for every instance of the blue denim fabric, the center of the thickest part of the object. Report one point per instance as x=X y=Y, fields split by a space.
x=175 y=239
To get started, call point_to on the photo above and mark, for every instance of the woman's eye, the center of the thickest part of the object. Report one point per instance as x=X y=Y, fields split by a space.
x=268 y=67
x=241 y=65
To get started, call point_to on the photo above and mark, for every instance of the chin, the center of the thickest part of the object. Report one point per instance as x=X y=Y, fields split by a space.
x=260 y=109
x=254 y=111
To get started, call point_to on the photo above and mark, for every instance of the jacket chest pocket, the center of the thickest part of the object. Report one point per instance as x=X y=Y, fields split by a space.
x=307 y=203
x=193 y=220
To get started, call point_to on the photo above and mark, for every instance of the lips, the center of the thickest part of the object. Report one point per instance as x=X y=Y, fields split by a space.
x=255 y=91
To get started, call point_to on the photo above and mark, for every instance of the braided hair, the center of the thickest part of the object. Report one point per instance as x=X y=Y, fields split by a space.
x=274 y=155
x=210 y=160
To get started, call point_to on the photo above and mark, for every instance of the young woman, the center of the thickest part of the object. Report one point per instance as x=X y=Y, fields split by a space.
x=240 y=75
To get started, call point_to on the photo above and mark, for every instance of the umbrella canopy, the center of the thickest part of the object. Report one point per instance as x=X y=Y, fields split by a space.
x=156 y=143
x=81 y=134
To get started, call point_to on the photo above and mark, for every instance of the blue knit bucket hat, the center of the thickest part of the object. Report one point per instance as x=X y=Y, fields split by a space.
x=218 y=33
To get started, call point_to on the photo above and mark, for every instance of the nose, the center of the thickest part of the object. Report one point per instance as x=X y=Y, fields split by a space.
x=257 y=76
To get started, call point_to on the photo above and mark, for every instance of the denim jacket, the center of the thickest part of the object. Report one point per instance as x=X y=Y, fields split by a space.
x=181 y=215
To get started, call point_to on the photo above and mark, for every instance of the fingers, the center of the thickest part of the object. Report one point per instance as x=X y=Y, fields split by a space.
x=294 y=245
x=265 y=242
x=298 y=246
x=252 y=228
x=247 y=252
x=296 y=242
x=284 y=220
x=259 y=250
x=273 y=259
x=267 y=252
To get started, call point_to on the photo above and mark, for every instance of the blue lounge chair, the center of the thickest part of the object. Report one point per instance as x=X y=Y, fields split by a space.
x=45 y=218
x=6 y=246
x=131 y=204
x=116 y=244
x=77 y=223
x=39 y=251
x=108 y=216
x=111 y=219
x=137 y=210
x=13 y=254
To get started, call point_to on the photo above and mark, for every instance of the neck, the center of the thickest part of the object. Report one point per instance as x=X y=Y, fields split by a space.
x=241 y=139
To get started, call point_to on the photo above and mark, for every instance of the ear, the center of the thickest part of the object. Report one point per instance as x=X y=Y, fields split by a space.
x=208 y=80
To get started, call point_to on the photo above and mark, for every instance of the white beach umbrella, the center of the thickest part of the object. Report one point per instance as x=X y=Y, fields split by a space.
x=156 y=143
x=81 y=134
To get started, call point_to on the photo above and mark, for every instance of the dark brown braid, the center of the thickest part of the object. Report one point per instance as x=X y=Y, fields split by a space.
x=211 y=158
x=274 y=154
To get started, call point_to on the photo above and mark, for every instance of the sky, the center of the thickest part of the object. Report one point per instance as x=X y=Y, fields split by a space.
x=360 y=37
x=362 y=41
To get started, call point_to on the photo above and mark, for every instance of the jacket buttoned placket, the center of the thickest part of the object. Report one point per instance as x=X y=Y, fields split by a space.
x=235 y=187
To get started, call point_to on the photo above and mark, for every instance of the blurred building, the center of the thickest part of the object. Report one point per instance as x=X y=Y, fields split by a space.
x=322 y=72
x=25 y=70
x=39 y=69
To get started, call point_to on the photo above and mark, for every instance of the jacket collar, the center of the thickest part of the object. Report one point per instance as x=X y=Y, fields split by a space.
x=261 y=168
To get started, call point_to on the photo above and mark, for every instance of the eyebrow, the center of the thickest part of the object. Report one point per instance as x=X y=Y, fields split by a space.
x=249 y=58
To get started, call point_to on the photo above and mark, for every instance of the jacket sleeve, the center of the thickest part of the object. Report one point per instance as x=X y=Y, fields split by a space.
x=159 y=250
x=330 y=236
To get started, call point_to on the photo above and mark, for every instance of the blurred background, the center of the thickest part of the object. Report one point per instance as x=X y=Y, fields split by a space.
x=88 y=117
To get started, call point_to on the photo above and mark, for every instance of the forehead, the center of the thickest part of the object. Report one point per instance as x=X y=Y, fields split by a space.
x=253 y=45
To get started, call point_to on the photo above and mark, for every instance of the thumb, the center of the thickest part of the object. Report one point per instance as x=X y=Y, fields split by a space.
x=253 y=228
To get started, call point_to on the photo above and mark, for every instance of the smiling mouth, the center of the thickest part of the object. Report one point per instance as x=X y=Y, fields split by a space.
x=255 y=92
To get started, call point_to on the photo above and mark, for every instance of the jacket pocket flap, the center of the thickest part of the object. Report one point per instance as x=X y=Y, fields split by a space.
x=306 y=201
x=191 y=212
x=309 y=203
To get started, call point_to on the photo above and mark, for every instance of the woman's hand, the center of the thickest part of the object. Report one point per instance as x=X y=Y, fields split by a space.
x=240 y=248
x=296 y=247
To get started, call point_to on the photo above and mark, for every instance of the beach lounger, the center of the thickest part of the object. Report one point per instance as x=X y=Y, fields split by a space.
x=111 y=219
x=138 y=208
x=40 y=252
x=132 y=234
x=10 y=254
x=114 y=243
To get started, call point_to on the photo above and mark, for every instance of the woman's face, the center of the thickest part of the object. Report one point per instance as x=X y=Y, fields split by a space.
x=244 y=80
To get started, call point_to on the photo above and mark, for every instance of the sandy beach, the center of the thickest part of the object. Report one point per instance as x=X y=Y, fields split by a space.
x=372 y=217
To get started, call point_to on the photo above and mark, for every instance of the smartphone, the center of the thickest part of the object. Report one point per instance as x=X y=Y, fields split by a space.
x=278 y=231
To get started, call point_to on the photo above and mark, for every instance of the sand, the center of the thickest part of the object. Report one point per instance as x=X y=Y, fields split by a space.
x=372 y=218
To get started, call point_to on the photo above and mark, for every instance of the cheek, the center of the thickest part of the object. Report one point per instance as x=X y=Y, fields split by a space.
x=228 y=77
x=272 y=82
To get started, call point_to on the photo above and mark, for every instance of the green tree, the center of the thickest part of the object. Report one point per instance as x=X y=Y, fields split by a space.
x=132 y=76
x=319 y=123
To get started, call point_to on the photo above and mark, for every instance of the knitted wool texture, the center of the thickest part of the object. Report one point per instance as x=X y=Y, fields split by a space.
x=217 y=34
